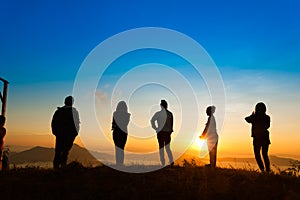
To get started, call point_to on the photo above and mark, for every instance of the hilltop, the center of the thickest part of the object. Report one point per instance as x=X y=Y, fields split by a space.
x=188 y=182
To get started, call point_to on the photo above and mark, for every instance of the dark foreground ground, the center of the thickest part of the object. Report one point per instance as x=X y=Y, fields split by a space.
x=76 y=182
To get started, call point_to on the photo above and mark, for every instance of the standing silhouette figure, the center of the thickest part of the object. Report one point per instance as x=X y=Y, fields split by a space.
x=120 y=122
x=2 y=134
x=164 y=129
x=260 y=123
x=65 y=126
x=210 y=133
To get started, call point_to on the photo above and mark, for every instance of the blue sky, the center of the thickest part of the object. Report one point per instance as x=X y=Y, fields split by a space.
x=255 y=44
x=38 y=38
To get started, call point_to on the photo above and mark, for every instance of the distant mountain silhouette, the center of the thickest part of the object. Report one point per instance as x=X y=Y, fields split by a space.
x=275 y=160
x=36 y=154
x=44 y=154
x=281 y=162
x=82 y=155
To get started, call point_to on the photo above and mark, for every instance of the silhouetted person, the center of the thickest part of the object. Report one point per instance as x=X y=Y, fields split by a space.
x=120 y=122
x=211 y=135
x=260 y=124
x=5 y=160
x=65 y=126
x=2 y=134
x=164 y=129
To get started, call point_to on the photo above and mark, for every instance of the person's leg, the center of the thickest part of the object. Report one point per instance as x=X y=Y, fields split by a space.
x=265 y=149
x=1 y=150
x=161 y=148
x=120 y=141
x=213 y=155
x=121 y=145
x=64 y=158
x=167 y=138
x=117 y=147
x=68 y=143
x=258 y=157
x=118 y=155
x=58 y=152
x=5 y=163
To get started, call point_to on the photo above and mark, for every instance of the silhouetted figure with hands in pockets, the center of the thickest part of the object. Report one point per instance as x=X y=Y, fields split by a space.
x=210 y=134
x=260 y=123
x=2 y=134
x=120 y=122
x=65 y=126
x=164 y=129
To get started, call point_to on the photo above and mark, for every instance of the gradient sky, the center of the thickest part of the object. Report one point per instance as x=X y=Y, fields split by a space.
x=255 y=44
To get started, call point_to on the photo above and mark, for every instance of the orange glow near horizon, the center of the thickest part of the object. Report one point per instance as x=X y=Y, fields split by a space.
x=226 y=145
x=234 y=138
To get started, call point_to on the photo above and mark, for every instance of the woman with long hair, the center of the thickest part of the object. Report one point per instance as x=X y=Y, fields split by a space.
x=120 y=122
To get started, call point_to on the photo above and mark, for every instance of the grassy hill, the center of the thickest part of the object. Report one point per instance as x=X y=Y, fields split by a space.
x=188 y=182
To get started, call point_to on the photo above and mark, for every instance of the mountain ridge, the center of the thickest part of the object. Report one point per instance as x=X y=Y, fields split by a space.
x=39 y=154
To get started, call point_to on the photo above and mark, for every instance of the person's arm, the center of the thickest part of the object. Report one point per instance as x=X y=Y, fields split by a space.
x=205 y=129
x=2 y=135
x=268 y=121
x=54 y=124
x=113 y=124
x=172 y=122
x=76 y=120
x=127 y=119
x=249 y=119
x=154 y=118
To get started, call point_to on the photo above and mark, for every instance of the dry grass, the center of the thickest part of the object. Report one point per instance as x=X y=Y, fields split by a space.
x=178 y=182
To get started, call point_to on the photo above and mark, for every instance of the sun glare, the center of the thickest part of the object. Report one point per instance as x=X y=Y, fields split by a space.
x=199 y=142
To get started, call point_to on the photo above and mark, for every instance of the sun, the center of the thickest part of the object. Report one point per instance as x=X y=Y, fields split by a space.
x=199 y=142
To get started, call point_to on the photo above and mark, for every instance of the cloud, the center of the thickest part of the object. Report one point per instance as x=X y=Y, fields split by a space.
x=106 y=86
x=101 y=98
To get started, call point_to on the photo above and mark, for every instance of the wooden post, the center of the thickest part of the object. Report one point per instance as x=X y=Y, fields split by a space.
x=4 y=97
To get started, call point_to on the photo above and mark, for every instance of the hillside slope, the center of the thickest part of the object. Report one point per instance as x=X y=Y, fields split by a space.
x=76 y=182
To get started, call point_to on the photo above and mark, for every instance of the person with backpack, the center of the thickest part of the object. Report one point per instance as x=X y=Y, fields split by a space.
x=65 y=126
x=260 y=123
x=210 y=134
x=162 y=123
